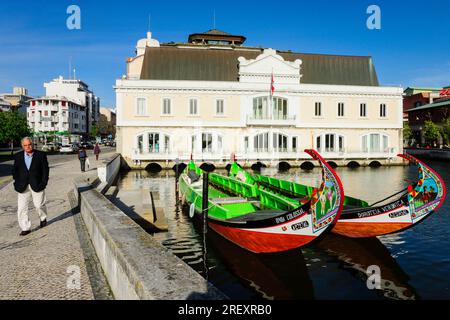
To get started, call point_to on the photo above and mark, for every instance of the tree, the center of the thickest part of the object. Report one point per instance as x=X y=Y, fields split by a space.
x=446 y=131
x=94 y=131
x=13 y=127
x=407 y=132
x=431 y=132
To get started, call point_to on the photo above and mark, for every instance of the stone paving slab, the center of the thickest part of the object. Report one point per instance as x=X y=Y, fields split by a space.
x=49 y=263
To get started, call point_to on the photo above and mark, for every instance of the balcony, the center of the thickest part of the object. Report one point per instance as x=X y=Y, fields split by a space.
x=284 y=120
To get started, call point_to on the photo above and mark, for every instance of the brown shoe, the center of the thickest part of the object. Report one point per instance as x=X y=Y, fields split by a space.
x=24 y=233
x=43 y=223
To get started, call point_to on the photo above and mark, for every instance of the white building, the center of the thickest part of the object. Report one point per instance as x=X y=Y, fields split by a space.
x=56 y=114
x=79 y=92
x=210 y=97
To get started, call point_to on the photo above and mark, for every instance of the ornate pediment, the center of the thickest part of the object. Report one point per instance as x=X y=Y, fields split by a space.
x=260 y=70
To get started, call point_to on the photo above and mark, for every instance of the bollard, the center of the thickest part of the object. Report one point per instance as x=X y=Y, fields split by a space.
x=205 y=201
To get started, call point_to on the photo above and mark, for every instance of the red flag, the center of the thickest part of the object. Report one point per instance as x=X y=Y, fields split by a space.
x=272 y=88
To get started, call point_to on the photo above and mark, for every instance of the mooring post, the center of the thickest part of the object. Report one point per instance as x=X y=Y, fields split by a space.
x=177 y=163
x=205 y=201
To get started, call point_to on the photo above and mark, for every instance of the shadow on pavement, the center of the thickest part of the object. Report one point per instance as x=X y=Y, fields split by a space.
x=5 y=169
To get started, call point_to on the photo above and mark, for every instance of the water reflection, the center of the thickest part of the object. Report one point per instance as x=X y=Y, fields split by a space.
x=276 y=276
x=359 y=254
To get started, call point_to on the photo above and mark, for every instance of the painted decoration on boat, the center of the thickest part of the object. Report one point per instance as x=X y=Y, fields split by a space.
x=428 y=193
x=326 y=200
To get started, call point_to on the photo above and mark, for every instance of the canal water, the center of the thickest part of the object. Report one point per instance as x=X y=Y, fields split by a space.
x=414 y=264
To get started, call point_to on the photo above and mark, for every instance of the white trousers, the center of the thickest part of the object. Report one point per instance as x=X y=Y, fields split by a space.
x=39 y=200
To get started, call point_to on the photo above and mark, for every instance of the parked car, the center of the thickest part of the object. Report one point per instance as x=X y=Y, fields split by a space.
x=50 y=147
x=69 y=148
x=87 y=145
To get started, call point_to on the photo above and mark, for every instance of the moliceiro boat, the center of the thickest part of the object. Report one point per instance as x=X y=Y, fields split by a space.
x=361 y=220
x=261 y=220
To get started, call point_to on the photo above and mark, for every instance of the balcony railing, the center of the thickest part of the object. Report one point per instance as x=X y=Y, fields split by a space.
x=260 y=154
x=282 y=120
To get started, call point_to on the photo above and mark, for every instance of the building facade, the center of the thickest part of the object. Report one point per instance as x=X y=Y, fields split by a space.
x=211 y=98
x=18 y=100
x=56 y=114
x=78 y=92
x=107 y=123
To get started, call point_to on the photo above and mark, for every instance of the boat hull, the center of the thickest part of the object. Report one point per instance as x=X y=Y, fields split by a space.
x=262 y=241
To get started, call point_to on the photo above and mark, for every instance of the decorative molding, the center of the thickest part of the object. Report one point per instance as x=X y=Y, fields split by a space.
x=260 y=70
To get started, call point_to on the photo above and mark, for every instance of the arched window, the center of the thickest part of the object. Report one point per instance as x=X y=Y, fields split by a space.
x=153 y=142
x=206 y=142
x=140 y=142
x=280 y=142
x=375 y=142
x=261 y=142
x=330 y=142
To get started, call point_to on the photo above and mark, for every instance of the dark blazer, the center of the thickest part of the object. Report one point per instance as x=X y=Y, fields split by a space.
x=38 y=175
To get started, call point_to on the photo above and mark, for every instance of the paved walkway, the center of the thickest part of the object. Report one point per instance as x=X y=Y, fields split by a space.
x=58 y=261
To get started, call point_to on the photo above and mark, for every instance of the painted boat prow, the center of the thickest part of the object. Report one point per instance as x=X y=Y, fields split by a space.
x=419 y=202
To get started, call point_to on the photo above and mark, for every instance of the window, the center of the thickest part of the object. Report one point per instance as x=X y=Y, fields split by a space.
x=206 y=142
x=280 y=110
x=294 y=144
x=220 y=107
x=140 y=107
x=193 y=143
x=246 y=144
x=375 y=142
x=330 y=142
x=166 y=144
x=153 y=143
x=141 y=143
x=167 y=106
x=318 y=111
x=261 y=142
x=193 y=110
x=219 y=143
x=382 y=110
x=363 y=110
x=261 y=108
x=340 y=109
x=280 y=142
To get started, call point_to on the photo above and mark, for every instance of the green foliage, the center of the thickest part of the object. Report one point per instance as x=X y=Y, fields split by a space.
x=13 y=127
x=431 y=132
x=407 y=132
x=94 y=131
x=446 y=131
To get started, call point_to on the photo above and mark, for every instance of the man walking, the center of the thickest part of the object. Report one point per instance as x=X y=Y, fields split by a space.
x=30 y=174
x=82 y=156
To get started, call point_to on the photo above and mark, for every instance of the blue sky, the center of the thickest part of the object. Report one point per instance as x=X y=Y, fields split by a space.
x=411 y=49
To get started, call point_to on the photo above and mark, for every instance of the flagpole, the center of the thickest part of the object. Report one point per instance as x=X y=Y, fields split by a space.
x=271 y=115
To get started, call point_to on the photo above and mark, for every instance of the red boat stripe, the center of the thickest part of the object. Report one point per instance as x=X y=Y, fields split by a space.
x=261 y=242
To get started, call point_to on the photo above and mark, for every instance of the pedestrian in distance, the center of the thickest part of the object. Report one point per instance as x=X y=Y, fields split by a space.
x=30 y=174
x=82 y=156
x=97 y=151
